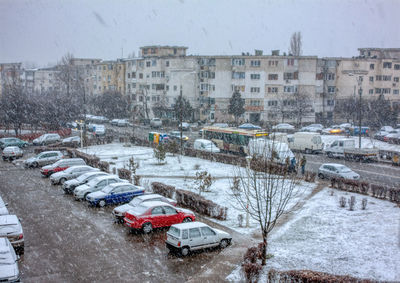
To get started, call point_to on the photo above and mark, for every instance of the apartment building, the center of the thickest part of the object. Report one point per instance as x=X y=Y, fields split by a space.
x=7 y=71
x=106 y=76
x=45 y=79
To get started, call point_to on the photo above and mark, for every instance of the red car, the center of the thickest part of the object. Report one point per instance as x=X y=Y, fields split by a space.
x=155 y=214
x=61 y=165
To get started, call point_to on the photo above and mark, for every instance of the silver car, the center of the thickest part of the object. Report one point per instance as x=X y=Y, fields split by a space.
x=70 y=185
x=43 y=158
x=97 y=184
x=8 y=262
x=47 y=139
x=334 y=170
x=71 y=173
x=12 y=152
x=11 y=228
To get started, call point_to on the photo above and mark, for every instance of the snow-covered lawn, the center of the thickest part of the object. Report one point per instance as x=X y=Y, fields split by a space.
x=365 y=142
x=324 y=237
x=180 y=175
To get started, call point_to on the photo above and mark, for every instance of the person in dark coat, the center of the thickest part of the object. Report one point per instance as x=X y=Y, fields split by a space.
x=303 y=162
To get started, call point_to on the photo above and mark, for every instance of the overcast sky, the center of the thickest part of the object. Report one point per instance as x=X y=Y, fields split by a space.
x=42 y=31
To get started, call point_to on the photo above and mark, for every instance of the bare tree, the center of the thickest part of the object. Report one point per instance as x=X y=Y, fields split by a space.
x=265 y=193
x=301 y=106
x=295 y=44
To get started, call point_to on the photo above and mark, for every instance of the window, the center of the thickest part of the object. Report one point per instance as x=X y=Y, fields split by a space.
x=331 y=89
x=204 y=87
x=129 y=75
x=290 y=62
x=133 y=85
x=148 y=64
x=255 y=103
x=110 y=67
x=387 y=65
x=329 y=76
x=166 y=63
x=371 y=66
x=194 y=233
x=290 y=89
x=255 y=76
x=238 y=75
x=387 y=78
x=238 y=62
x=133 y=75
x=396 y=79
x=153 y=63
x=330 y=102
x=371 y=79
x=140 y=75
x=395 y=91
x=157 y=210
x=397 y=66
x=272 y=77
x=184 y=234
x=175 y=88
x=371 y=91
x=272 y=103
x=378 y=90
x=167 y=87
x=206 y=231
x=272 y=89
x=273 y=63
x=238 y=88
x=288 y=76
x=255 y=63
x=254 y=89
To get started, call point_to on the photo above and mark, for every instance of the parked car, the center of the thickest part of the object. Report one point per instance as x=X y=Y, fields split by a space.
x=94 y=185
x=12 y=152
x=47 y=139
x=119 y=211
x=123 y=123
x=114 y=122
x=43 y=158
x=387 y=128
x=4 y=142
x=61 y=165
x=312 y=128
x=70 y=185
x=114 y=194
x=74 y=139
x=99 y=130
x=186 y=237
x=185 y=126
x=283 y=127
x=334 y=170
x=8 y=262
x=176 y=135
x=71 y=173
x=309 y=142
x=271 y=150
x=3 y=207
x=155 y=214
x=392 y=136
x=155 y=123
x=380 y=135
x=11 y=228
x=205 y=145
x=333 y=130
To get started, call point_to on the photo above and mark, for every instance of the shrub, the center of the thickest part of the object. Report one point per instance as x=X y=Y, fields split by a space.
x=125 y=174
x=203 y=181
x=364 y=203
x=160 y=153
x=136 y=180
x=250 y=266
x=196 y=167
x=352 y=203
x=342 y=202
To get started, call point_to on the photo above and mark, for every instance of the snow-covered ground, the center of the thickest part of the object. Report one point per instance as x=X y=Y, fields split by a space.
x=365 y=142
x=180 y=174
x=324 y=237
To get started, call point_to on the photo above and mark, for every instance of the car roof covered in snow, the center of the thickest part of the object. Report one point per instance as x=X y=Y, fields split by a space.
x=188 y=225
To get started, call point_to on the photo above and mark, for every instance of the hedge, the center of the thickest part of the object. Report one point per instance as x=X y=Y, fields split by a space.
x=125 y=174
x=308 y=276
x=191 y=200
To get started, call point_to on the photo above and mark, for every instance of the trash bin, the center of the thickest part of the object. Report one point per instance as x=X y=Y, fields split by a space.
x=151 y=136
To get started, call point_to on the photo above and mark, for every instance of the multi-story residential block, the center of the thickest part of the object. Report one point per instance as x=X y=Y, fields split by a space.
x=7 y=72
x=107 y=76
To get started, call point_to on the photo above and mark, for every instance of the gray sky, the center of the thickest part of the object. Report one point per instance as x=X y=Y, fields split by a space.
x=42 y=31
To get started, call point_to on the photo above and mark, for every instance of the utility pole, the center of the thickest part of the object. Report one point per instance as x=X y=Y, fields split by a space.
x=181 y=115
x=360 y=79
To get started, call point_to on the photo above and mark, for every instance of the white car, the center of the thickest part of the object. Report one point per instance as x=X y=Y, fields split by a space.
x=186 y=237
x=283 y=127
x=339 y=171
x=12 y=152
x=3 y=207
x=119 y=211
x=71 y=173
x=123 y=123
x=74 y=139
x=70 y=185
x=47 y=139
x=205 y=145
x=312 y=128
x=97 y=184
x=11 y=228
x=9 y=271
x=155 y=123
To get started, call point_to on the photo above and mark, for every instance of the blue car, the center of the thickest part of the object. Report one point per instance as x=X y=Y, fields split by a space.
x=115 y=193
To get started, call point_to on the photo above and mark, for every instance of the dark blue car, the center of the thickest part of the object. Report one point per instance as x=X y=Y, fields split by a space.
x=114 y=194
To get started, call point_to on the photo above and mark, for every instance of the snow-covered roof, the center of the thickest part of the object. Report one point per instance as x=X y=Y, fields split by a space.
x=188 y=225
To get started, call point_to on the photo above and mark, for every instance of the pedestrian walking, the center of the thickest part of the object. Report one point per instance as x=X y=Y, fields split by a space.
x=292 y=167
x=303 y=162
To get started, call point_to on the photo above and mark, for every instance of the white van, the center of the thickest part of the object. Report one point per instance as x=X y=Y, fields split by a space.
x=205 y=145
x=263 y=148
x=309 y=142
x=279 y=137
x=337 y=147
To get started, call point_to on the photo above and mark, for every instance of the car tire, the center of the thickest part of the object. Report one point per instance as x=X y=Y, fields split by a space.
x=330 y=155
x=187 y=219
x=102 y=203
x=224 y=243
x=147 y=228
x=4 y=159
x=35 y=165
x=308 y=151
x=321 y=176
x=185 y=251
x=84 y=196
x=62 y=181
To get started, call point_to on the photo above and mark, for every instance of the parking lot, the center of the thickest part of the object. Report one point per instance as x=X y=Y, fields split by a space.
x=66 y=240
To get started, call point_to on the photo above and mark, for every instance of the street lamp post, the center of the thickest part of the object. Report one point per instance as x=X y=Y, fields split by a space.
x=360 y=79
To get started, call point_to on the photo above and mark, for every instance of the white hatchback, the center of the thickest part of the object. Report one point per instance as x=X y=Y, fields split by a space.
x=189 y=236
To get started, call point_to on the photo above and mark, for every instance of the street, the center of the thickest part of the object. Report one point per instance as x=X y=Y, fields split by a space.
x=66 y=240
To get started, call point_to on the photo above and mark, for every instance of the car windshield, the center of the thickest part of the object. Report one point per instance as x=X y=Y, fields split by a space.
x=139 y=209
x=174 y=231
x=343 y=169
x=135 y=201
x=93 y=182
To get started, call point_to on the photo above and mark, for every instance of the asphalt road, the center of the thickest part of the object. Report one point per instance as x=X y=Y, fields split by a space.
x=67 y=241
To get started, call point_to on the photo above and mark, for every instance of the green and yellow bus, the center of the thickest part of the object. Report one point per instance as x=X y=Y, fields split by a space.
x=232 y=139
